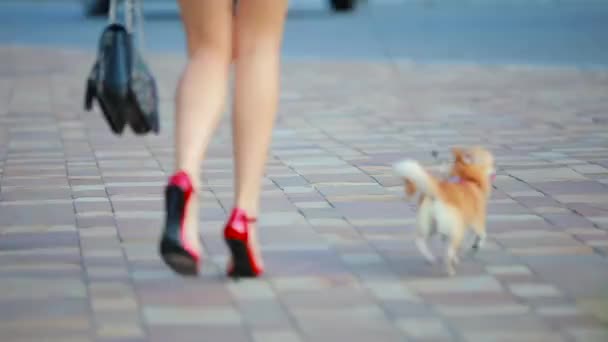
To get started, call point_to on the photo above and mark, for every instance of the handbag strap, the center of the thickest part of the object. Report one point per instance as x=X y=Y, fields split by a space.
x=132 y=12
x=112 y=17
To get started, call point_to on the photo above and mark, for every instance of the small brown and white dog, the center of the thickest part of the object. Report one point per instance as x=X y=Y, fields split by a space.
x=454 y=205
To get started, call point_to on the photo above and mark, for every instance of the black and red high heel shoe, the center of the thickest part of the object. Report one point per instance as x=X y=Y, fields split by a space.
x=175 y=249
x=236 y=234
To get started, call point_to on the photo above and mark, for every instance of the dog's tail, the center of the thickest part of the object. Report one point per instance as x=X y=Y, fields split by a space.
x=413 y=172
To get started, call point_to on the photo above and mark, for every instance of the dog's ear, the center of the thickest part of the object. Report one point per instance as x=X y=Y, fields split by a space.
x=461 y=155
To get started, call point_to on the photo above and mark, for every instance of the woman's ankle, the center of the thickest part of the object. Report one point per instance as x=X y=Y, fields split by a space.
x=251 y=209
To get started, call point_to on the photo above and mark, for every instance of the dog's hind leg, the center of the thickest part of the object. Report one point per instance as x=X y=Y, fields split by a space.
x=450 y=223
x=423 y=247
x=426 y=229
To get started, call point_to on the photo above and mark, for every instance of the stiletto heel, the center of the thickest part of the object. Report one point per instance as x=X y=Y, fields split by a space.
x=175 y=249
x=236 y=234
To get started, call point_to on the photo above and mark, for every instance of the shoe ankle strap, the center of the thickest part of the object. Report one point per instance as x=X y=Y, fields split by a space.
x=242 y=213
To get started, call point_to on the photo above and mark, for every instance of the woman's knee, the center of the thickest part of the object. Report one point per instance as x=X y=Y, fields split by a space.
x=250 y=41
x=257 y=46
x=259 y=26
x=217 y=47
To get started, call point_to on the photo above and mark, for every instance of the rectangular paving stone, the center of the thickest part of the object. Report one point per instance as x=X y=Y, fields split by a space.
x=55 y=214
x=124 y=331
x=312 y=205
x=589 y=335
x=321 y=213
x=536 y=201
x=503 y=336
x=328 y=222
x=369 y=210
x=588 y=209
x=196 y=333
x=505 y=321
x=567 y=220
x=42 y=308
x=38 y=229
x=424 y=328
x=87 y=205
x=124 y=303
x=98 y=232
x=298 y=189
x=552 y=250
x=391 y=290
x=276 y=336
x=472 y=299
x=35 y=267
x=513 y=218
x=71 y=325
x=551 y=210
x=47 y=338
x=525 y=193
x=558 y=310
x=528 y=290
x=264 y=314
x=396 y=309
x=330 y=298
x=353 y=188
x=280 y=219
x=571 y=187
x=389 y=222
x=178 y=316
x=57 y=193
x=300 y=283
x=251 y=290
x=115 y=317
x=361 y=258
x=339 y=329
x=509 y=270
x=109 y=289
x=32 y=181
x=458 y=284
x=24 y=287
x=602 y=221
x=483 y=310
x=110 y=272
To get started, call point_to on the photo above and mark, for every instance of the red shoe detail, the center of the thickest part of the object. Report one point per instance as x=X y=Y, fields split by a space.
x=182 y=180
x=175 y=249
x=236 y=234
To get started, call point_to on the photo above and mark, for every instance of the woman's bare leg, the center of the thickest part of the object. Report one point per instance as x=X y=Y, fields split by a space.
x=259 y=32
x=202 y=90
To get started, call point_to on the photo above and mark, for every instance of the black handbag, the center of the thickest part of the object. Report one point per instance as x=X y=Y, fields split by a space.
x=120 y=80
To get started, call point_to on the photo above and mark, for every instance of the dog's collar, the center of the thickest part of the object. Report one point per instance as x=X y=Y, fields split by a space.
x=459 y=180
x=456 y=179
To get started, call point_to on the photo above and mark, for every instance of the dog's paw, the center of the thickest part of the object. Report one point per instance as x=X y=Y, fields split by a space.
x=479 y=242
x=450 y=265
x=474 y=250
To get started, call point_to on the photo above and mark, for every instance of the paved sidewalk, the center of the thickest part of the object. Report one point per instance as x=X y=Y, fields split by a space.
x=81 y=210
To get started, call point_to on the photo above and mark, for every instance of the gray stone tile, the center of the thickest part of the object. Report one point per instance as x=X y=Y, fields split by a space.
x=177 y=316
